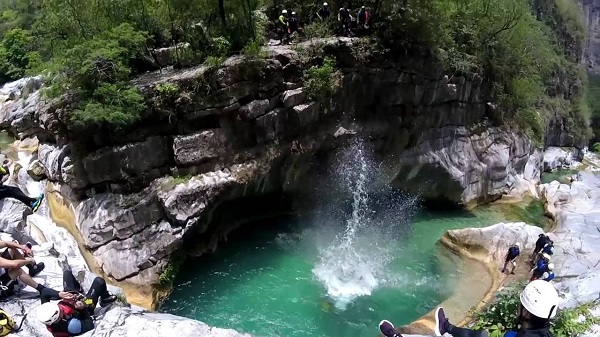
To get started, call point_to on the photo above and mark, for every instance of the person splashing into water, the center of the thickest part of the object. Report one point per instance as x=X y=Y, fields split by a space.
x=538 y=305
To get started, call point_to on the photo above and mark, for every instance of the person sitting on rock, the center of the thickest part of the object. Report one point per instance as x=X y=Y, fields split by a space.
x=540 y=268
x=15 y=192
x=549 y=275
x=538 y=305
x=74 y=316
x=539 y=244
x=511 y=257
x=11 y=262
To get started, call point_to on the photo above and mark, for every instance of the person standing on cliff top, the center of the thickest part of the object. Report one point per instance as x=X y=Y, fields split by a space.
x=538 y=305
x=324 y=12
x=15 y=192
x=511 y=257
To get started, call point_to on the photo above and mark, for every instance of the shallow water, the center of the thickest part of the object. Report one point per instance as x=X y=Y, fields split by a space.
x=262 y=281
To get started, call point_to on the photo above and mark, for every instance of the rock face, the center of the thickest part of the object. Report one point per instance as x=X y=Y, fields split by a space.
x=560 y=158
x=576 y=209
x=250 y=128
x=591 y=16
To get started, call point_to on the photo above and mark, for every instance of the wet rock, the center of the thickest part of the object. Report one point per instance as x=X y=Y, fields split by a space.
x=36 y=170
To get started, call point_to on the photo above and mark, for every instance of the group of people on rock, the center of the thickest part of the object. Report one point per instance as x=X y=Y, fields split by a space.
x=538 y=301
x=288 y=22
x=68 y=312
x=541 y=267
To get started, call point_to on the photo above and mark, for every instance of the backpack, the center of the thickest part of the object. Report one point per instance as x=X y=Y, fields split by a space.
x=7 y=323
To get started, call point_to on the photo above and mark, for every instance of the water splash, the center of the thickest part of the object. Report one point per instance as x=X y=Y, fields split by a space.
x=357 y=261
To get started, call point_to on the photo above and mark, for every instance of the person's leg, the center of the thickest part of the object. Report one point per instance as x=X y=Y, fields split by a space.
x=504 y=267
x=443 y=326
x=15 y=254
x=16 y=193
x=514 y=265
x=24 y=277
x=98 y=290
x=70 y=283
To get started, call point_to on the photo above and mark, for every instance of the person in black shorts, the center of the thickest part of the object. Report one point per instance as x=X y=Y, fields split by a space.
x=11 y=262
x=511 y=257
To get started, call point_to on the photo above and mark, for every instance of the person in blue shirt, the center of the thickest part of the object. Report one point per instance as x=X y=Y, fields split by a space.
x=511 y=257
x=540 y=268
x=538 y=305
x=549 y=275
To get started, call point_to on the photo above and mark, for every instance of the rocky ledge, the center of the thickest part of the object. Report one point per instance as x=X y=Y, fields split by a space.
x=248 y=129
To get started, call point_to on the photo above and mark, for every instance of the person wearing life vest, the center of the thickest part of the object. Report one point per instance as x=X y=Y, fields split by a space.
x=293 y=23
x=344 y=20
x=15 y=192
x=511 y=257
x=549 y=275
x=538 y=304
x=540 y=268
x=74 y=316
x=363 y=19
x=282 y=26
x=539 y=244
x=547 y=249
x=324 y=12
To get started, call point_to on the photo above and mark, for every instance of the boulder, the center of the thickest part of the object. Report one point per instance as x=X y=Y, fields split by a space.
x=496 y=239
x=293 y=97
x=254 y=109
x=198 y=148
x=557 y=158
x=36 y=170
x=13 y=215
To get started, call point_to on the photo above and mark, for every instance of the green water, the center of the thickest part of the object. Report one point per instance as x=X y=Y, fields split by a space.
x=558 y=175
x=262 y=282
x=5 y=140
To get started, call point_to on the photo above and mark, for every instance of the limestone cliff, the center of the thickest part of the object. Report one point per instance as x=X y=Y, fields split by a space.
x=247 y=129
x=591 y=15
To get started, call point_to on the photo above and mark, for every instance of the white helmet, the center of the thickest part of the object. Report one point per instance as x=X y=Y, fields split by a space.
x=325 y=4
x=48 y=313
x=540 y=299
x=293 y=13
x=518 y=244
x=284 y=11
x=546 y=256
x=550 y=266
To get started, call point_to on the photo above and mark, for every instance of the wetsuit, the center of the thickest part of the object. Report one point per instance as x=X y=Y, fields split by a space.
x=344 y=14
x=540 y=243
x=13 y=192
x=293 y=24
x=77 y=321
x=324 y=13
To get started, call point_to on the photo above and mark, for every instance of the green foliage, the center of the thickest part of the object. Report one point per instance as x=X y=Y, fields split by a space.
x=173 y=267
x=501 y=315
x=596 y=147
x=320 y=81
x=17 y=55
x=593 y=95
x=317 y=29
x=99 y=70
x=253 y=49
